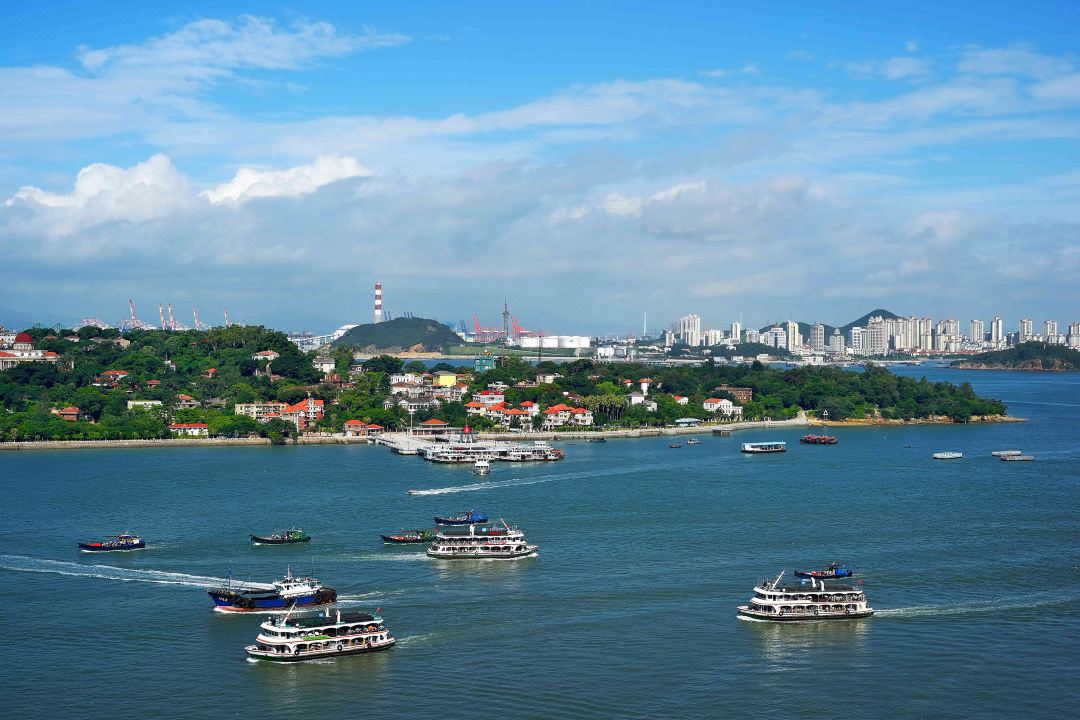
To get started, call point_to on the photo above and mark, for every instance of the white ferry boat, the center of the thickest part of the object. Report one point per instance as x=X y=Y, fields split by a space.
x=764 y=447
x=948 y=455
x=482 y=466
x=470 y=451
x=293 y=639
x=822 y=600
x=1005 y=453
x=481 y=542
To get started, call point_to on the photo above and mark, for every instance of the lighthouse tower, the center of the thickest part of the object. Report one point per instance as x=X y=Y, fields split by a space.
x=378 y=302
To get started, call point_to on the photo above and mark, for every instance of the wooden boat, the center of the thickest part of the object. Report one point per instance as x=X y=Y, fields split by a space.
x=408 y=537
x=288 y=537
x=818 y=440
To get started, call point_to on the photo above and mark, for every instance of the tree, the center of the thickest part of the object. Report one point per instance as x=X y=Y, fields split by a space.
x=384 y=363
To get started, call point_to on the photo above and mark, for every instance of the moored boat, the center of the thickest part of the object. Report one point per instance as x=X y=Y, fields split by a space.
x=471 y=517
x=818 y=440
x=288 y=537
x=285 y=594
x=408 y=537
x=754 y=448
x=481 y=542
x=294 y=639
x=775 y=602
x=123 y=541
x=829 y=572
x=598 y=440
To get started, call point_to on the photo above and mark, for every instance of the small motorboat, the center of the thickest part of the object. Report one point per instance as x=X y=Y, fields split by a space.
x=830 y=571
x=408 y=537
x=675 y=445
x=287 y=537
x=597 y=440
x=482 y=466
x=693 y=442
x=123 y=541
x=471 y=517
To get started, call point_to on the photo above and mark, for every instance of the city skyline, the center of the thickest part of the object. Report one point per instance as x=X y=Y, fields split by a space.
x=588 y=163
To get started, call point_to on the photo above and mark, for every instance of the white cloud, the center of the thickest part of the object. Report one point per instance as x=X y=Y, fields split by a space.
x=251 y=183
x=1017 y=61
x=911 y=46
x=617 y=204
x=895 y=68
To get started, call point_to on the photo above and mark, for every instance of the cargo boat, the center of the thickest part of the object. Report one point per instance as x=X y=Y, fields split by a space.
x=121 y=542
x=775 y=602
x=295 y=639
x=284 y=594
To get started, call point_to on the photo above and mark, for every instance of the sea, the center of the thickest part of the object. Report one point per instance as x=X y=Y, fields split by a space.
x=629 y=610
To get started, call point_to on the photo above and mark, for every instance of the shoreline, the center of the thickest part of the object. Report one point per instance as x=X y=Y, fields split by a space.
x=337 y=439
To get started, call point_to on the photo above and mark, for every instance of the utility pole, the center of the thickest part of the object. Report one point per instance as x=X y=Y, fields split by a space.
x=506 y=321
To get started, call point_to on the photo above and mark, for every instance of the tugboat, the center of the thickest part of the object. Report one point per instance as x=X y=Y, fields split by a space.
x=466 y=518
x=831 y=571
x=775 y=602
x=408 y=537
x=479 y=543
x=123 y=541
x=294 y=639
x=287 y=537
x=284 y=594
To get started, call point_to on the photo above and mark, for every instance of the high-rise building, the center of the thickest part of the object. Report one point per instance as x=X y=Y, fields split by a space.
x=712 y=337
x=1026 y=329
x=1073 y=340
x=978 y=331
x=752 y=336
x=794 y=337
x=817 y=337
x=836 y=342
x=925 y=334
x=1049 y=330
x=877 y=338
x=690 y=330
x=776 y=337
x=997 y=332
x=736 y=332
x=857 y=340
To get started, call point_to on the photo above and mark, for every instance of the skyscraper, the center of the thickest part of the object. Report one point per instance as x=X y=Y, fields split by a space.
x=736 y=332
x=817 y=337
x=978 y=331
x=794 y=337
x=1026 y=329
x=857 y=339
x=877 y=338
x=997 y=332
x=1049 y=330
x=836 y=342
x=690 y=330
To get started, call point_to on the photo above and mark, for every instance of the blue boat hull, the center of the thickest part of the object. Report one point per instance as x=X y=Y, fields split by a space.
x=474 y=520
x=234 y=602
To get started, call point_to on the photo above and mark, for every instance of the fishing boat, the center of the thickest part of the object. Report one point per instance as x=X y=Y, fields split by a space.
x=774 y=601
x=829 y=572
x=948 y=455
x=482 y=466
x=122 y=542
x=818 y=440
x=298 y=638
x=675 y=445
x=287 y=537
x=471 y=517
x=755 y=448
x=408 y=537
x=284 y=594
x=481 y=542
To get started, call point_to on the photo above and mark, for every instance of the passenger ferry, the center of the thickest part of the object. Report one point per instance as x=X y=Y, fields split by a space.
x=764 y=447
x=469 y=451
x=948 y=455
x=482 y=466
x=123 y=541
x=821 y=601
x=284 y=594
x=477 y=542
x=294 y=639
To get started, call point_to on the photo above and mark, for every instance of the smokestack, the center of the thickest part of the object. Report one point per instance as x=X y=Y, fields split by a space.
x=378 y=302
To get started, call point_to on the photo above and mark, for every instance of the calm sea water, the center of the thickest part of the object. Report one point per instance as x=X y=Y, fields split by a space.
x=629 y=611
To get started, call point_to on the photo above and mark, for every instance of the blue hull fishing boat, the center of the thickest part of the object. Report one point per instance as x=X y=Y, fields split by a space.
x=124 y=541
x=830 y=572
x=466 y=518
x=284 y=594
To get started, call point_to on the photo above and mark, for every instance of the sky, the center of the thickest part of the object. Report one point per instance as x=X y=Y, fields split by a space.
x=586 y=162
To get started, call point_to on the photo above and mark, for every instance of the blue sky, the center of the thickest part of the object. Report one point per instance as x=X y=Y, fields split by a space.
x=587 y=161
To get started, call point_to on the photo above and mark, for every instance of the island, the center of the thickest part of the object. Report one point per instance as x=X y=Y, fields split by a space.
x=1029 y=356
x=252 y=383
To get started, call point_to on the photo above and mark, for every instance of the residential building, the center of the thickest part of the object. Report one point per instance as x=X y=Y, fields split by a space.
x=742 y=394
x=997 y=332
x=489 y=397
x=978 y=331
x=483 y=364
x=690 y=330
x=265 y=356
x=752 y=336
x=189 y=429
x=836 y=342
x=324 y=364
x=260 y=411
x=877 y=338
x=354 y=428
x=1073 y=339
x=794 y=336
x=857 y=340
x=1027 y=331
x=70 y=413
x=144 y=404
x=817 y=337
x=184 y=402
x=680 y=399
x=22 y=350
x=442 y=378
x=736 y=332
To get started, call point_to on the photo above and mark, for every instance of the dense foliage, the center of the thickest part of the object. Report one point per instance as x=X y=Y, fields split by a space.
x=1026 y=356
x=400 y=334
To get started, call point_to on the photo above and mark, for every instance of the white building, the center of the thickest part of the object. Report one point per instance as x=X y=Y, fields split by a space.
x=794 y=337
x=1049 y=329
x=1026 y=329
x=857 y=340
x=690 y=330
x=736 y=332
x=877 y=337
x=997 y=332
x=836 y=342
x=817 y=337
x=978 y=331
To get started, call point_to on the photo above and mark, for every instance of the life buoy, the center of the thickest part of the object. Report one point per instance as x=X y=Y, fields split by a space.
x=339 y=647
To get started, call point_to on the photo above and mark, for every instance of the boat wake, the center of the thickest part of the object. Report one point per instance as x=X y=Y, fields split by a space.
x=20 y=563
x=363 y=597
x=415 y=640
x=974 y=608
x=491 y=485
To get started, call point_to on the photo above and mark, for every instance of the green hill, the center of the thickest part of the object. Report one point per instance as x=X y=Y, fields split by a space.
x=1028 y=356
x=400 y=334
x=804 y=327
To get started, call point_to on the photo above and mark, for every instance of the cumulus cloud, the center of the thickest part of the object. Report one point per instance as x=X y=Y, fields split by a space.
x=895 y=68
x=301 y=180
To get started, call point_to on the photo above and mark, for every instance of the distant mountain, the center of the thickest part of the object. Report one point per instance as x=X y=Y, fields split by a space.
x=400 y=334
x=804 y=327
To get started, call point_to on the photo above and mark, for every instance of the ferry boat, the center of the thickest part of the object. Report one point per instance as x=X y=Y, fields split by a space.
x=295 y=639
x=777 y=602
x=482 y=466
x=1005 y=453
x=829 y=572
x=123 y=541
x=406 y=537
x=469 y=451
x=1017 y=458
x=764 y=447
x=818 y=440
x=284 y=594
x=948 y=455
x=478 y=542
x=693 y=442
x=288 y=537
x=466 y=518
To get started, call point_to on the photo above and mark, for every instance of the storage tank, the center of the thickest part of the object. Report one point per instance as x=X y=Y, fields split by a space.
x=568 y=341
x=549 y=342
x=530 y=342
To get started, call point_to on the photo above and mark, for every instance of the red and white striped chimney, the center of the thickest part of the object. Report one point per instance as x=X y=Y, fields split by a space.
x=378 y=302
